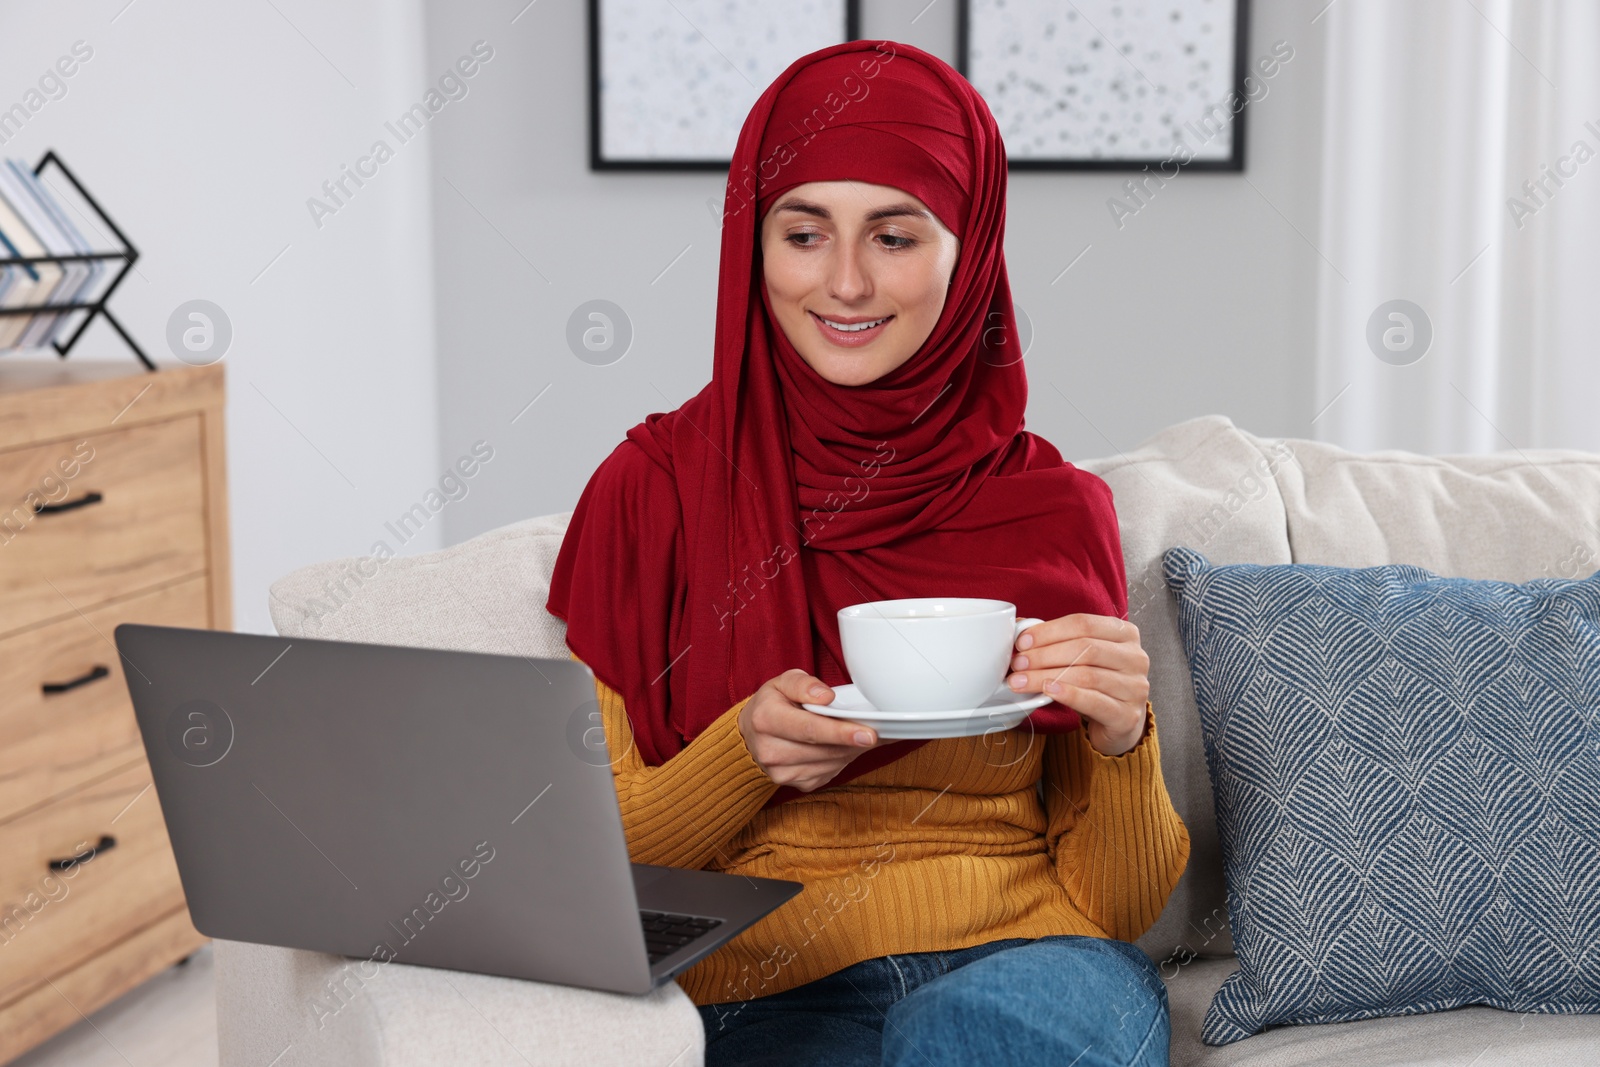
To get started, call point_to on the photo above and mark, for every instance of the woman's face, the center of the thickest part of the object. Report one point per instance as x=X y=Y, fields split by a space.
x=846 y=253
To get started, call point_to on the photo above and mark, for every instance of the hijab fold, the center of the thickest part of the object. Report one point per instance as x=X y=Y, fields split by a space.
x=713 y=548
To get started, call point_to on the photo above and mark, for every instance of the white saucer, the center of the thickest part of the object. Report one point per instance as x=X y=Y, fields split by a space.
x=1003 y=710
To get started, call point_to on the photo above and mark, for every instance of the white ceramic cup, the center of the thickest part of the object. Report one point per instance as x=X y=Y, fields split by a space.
x=929 y=653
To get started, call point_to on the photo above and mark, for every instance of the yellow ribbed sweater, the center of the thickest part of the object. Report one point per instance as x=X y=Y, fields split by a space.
x=945 y=848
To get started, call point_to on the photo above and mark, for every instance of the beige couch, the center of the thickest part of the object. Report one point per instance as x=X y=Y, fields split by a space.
x=1204 y=483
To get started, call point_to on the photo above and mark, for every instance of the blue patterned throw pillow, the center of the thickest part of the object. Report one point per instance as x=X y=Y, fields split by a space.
x=1406 y=771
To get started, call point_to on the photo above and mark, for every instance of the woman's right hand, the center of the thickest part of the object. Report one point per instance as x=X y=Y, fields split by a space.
x=796 y=747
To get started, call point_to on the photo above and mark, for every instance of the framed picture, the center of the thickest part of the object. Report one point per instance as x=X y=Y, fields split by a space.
x=1111 y=84
x=671 y=81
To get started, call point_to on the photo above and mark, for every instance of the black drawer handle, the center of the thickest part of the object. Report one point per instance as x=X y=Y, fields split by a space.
x=107 y=842
x=67 y=505
x=99 y=671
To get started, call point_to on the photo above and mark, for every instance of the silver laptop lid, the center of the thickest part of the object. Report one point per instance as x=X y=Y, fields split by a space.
x=435 y=807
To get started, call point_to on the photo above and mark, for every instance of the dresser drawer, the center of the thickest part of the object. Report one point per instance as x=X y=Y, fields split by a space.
x=146 y=527
x=51 y=743
x=52 y=921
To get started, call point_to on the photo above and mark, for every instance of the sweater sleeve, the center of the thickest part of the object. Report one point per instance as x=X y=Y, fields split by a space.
x=1118 y=844
x=684 y=812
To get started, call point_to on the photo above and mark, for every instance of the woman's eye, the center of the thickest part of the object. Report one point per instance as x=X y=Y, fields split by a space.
x=892 y=240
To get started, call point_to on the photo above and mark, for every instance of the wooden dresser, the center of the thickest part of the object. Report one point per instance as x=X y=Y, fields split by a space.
x=113 y=508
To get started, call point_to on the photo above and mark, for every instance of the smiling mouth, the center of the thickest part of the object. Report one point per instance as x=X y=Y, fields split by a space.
x=850 y=334
x=856 y=327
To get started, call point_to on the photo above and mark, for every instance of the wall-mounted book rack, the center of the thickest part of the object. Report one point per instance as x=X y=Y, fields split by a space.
x=127 y=255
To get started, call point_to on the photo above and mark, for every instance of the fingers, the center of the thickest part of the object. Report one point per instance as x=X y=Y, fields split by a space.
x=780 y=752
x=1081 y=625
x=1067 y=685
x=1092 y=652
x=802 y=765
x=799 y=726
x=795 y=746
x=1100 y=707
x=807 y=727
x=1114 y=716
x=802 y=688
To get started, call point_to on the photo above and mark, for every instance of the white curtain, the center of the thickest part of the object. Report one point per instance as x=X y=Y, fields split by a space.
x=1437 y=112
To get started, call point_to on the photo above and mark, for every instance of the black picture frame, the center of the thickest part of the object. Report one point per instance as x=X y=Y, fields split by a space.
x=852 y=32
x=1234 y=163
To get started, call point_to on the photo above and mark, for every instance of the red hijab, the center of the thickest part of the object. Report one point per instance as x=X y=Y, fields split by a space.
x=712 y=548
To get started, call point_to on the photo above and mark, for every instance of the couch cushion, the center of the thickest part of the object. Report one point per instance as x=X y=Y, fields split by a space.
x=1405 y=769
x=1205 y=483
x=1462 y=1037
x=483 y=595
x=1510 y=515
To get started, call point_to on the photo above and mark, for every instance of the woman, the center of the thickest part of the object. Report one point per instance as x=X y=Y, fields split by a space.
x=861 y=439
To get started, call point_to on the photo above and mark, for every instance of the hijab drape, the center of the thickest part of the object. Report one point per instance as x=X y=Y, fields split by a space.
x=712 y=549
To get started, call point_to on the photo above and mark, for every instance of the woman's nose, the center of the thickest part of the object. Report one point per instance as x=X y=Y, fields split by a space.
x=849 y=280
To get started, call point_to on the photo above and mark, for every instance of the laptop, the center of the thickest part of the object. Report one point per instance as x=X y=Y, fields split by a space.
x=426 y=806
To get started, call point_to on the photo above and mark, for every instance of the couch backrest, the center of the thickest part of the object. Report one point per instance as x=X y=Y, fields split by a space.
x=1511 y=515
x=1203 y=483
x=486 y=594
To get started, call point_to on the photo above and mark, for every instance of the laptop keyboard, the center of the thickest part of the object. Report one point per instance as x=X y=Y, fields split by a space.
x=665 y=932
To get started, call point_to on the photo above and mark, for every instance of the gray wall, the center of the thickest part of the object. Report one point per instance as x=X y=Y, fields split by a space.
x=1201 y=302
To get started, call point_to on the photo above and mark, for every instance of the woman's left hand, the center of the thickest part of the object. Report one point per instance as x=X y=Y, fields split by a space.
x=1094 y=665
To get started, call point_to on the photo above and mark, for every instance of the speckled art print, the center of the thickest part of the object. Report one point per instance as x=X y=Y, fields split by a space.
x=672 y=80
x=1110 y=84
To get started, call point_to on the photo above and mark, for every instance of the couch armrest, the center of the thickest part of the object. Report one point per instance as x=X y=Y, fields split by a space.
x=292 y=1008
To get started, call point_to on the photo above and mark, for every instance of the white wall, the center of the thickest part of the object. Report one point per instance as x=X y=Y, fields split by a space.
x=203 y=128
x=1202 y=302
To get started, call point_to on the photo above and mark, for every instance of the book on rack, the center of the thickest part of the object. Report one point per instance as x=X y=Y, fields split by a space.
x=33 y=223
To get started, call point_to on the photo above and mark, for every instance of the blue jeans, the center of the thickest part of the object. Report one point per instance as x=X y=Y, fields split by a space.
x=1060 y=1000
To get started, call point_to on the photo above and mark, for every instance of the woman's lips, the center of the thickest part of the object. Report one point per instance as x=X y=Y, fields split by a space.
x=852 y=338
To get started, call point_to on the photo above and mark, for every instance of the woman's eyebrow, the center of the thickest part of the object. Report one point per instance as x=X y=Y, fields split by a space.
x=806 y=207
